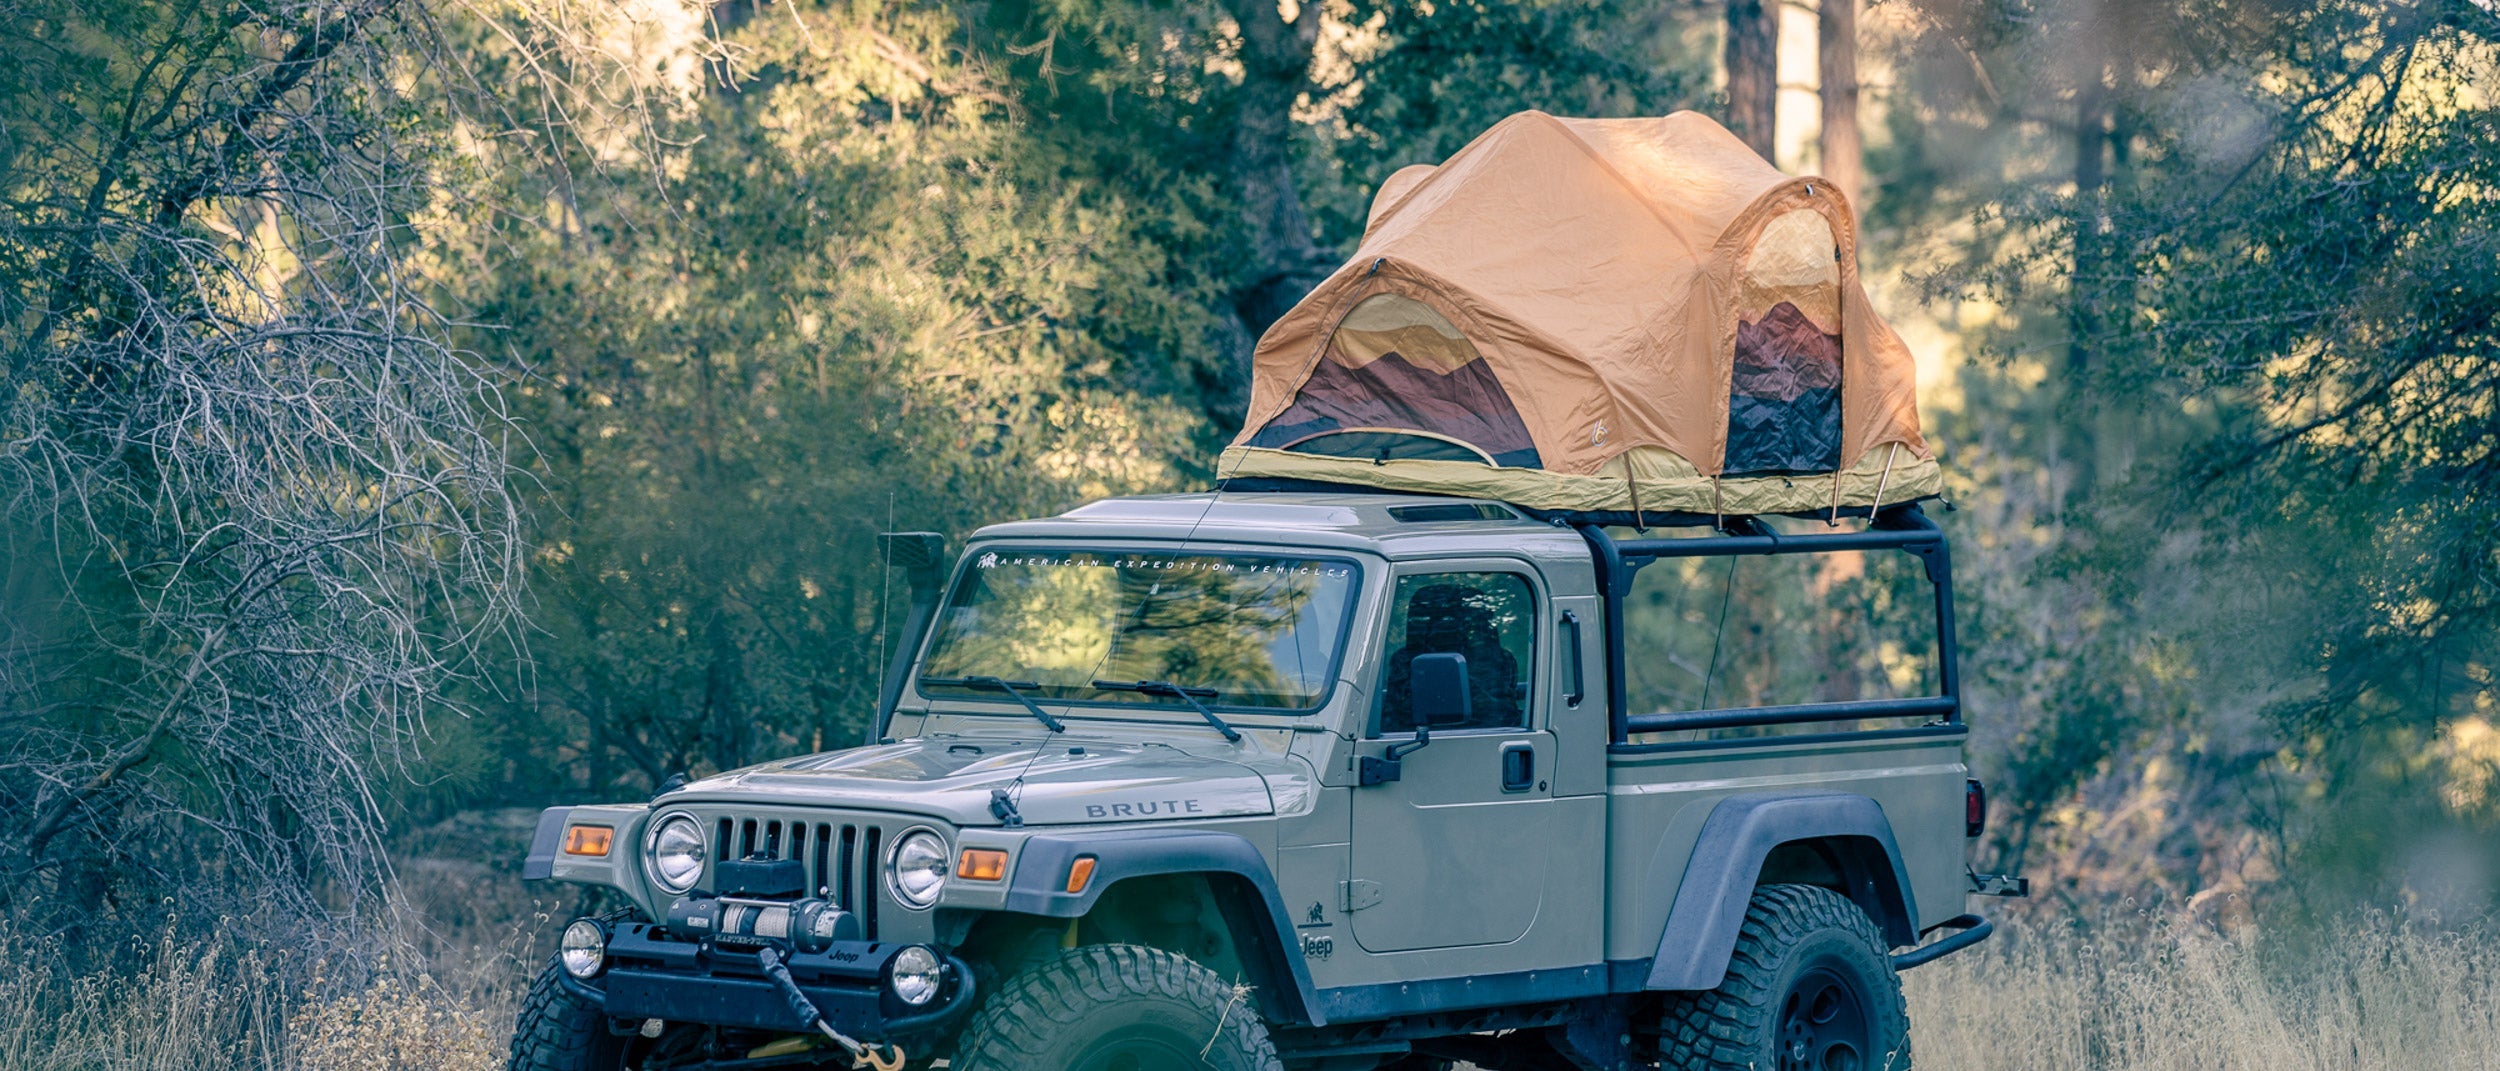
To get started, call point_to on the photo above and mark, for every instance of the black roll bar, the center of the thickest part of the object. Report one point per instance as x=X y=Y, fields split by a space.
x=1904 y=528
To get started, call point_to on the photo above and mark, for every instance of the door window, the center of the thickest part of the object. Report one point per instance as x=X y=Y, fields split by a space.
x=1488 y=617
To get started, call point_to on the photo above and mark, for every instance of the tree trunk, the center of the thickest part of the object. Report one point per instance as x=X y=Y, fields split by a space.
x=2091 y=142
x=1753 y=69
x=1284 y=262
x=1837 y=84
x=2091 y=134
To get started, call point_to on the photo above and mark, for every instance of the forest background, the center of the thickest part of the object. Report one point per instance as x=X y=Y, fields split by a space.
x=418 y=411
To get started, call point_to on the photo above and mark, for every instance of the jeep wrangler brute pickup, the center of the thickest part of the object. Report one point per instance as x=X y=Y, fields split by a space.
x=1247 y=781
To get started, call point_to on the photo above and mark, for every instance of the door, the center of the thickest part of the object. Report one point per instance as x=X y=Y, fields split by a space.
x=1454 y=852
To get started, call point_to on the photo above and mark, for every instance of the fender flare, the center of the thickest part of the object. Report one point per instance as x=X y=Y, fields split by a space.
x=1738 y=836
x=1274 y=949
x=540 y=863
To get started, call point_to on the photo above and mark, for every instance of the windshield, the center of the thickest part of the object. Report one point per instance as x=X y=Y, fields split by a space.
x=1262 y=631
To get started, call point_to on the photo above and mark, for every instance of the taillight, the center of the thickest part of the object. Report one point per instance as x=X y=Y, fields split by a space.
x=1974 y=808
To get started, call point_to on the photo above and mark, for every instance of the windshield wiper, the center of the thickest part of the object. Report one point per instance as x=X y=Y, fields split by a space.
x=1187 y=695
x=993 y=684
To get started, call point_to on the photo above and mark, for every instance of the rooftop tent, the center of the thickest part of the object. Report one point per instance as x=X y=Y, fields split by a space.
x=1595 y=315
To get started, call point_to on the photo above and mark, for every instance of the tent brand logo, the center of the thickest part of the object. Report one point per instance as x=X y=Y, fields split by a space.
x=1597 y=435
x=989 y=561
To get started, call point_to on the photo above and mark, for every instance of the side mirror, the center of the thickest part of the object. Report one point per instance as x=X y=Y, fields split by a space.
x=1437 y=694
x=1437 y=685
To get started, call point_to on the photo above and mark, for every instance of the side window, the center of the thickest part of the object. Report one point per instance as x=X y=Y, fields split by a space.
x=1488 y=617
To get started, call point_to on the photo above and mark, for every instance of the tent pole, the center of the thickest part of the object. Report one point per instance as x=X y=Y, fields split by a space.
x=1880 y=481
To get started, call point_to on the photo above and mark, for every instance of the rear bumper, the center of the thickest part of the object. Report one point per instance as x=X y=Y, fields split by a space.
x=652 y=976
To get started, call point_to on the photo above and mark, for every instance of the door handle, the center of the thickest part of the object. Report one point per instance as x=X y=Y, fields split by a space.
x=1571 y=652
x=1518 y=766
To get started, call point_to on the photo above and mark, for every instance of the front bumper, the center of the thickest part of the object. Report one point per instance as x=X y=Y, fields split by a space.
x=654 y=976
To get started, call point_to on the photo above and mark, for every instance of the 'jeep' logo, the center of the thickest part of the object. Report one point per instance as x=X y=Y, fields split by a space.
x=1148 y=809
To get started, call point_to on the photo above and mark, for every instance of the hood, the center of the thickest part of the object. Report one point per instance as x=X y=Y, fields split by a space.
x=1072 y=780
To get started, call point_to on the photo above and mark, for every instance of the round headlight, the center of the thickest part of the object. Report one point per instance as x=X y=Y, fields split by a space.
x=674 y=854
x=584 y=950
x=914 y=974
x=916 y=869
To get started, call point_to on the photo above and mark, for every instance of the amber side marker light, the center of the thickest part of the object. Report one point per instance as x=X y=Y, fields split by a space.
x=1080 y=872
x=982 y=864
x=588 y=840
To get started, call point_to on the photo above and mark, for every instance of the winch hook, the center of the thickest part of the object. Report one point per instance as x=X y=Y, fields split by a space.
x=869 y=1057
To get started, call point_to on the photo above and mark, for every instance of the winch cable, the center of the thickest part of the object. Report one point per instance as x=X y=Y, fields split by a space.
x=862 y=1053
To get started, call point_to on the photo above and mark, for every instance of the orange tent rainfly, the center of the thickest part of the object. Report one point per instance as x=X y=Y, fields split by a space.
x=1595 y=315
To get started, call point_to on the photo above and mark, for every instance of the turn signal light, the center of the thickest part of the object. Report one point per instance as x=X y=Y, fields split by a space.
x=1080 y=873
x=588 y=840
x=982 y=864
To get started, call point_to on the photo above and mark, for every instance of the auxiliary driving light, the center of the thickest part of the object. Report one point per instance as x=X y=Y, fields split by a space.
x=584 y=950
x=914 y=974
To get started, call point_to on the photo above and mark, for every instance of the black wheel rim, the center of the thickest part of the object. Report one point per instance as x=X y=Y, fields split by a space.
x=1139 y=1049
x=1823 y=1024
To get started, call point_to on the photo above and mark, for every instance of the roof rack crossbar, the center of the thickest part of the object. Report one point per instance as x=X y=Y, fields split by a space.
x=1910 y=528
x=1797 y=714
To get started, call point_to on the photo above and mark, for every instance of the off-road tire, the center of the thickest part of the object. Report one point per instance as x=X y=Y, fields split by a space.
x=1801 y=947
x=558 y=1031
x=1117 y=1008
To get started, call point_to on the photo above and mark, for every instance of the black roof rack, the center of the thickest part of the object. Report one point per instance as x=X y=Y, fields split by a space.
x=1900 y=527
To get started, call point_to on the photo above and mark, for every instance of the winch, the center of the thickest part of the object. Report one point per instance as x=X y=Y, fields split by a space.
x=761 y=904
x=761 y=901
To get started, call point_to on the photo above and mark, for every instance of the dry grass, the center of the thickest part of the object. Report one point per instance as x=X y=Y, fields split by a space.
x=2129 y=995
x=392 y=1027
x=2153 y=995
x=184 y=1012
x=189 y=1010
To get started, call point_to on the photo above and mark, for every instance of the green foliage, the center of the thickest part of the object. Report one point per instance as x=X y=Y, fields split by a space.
x=2270 y=434
x=847 y=302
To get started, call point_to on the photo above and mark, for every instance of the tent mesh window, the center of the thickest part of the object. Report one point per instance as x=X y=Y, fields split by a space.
x=1783 y=412
x=1394 y=365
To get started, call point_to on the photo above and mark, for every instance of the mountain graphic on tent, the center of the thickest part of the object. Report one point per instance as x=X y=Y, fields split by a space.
x=1595 y=316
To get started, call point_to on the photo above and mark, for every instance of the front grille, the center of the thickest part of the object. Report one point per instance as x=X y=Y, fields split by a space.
x=841 y=857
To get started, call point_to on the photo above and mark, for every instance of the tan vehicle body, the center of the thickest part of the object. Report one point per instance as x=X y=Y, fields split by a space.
x=1539 y=873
